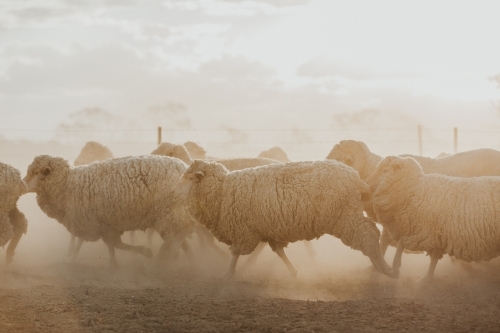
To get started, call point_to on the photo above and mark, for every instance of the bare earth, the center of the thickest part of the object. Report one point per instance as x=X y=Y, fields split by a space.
x=44 y=291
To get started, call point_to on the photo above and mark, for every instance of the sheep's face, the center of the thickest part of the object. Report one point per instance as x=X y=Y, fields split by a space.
x=393 y=170
x=42 y=168
x=350 y=153
x=183 y=187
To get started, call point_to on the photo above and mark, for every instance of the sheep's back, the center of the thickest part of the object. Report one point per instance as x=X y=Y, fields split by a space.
x=293 y=201
x=125 y=193
x=461 y=216
x=11 y=186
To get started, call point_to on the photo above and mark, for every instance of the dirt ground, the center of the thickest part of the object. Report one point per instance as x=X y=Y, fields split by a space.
x=44 y=291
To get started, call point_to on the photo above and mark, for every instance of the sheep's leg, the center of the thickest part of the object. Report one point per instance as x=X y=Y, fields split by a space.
x=145 y=251
x=11 y=249
x=205 y=236
x=78 y=246
x=163 y=252
x=385 y=240
x=187 y=250
x=71 y=248
x=310 y=249
x=432 y=267
x=112 y=256
x=19 y=227
x=254 y=255
x=281 y=253
x=150 y=232
x=232 y=267
x=396 y=262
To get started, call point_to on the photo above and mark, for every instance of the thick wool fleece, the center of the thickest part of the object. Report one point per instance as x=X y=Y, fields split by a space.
x=280 y=204
x=93 y=151
x=103 y=199
x=11 y=188
x=275 y=153
x=173 y=150
x=195 y=150
x=436 y=213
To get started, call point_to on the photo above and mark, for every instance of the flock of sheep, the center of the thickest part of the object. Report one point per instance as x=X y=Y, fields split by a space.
x=447 y=205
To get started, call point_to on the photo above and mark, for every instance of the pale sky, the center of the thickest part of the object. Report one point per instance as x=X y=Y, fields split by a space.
x=247 y=64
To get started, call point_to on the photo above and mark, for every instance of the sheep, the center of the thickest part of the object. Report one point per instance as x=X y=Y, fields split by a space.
x=279 y=204
x=180 y=152
x=103 y=199
x=473 y=163
x=92 y=151
x=275 y=153
x=195 y=150
x=13 y=223
x=436 y=213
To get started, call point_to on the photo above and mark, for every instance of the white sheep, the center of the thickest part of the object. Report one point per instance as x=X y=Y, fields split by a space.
x=436 y=213
x=103 y=199
x=92 y=151
x=275 y=153
x=13 y=223
x=279 y=204
x=473 y=163
x=195 y=150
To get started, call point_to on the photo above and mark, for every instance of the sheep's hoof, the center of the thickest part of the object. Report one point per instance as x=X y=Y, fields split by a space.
x=393 y=273
x=424 y=281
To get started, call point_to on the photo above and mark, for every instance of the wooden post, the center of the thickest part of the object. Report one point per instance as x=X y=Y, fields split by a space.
x=159 y=135
x=420 y=146
x=455 y=140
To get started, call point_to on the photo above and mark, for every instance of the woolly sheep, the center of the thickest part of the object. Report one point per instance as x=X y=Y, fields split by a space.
x=279 y=204
x=180 y=152
x=195 y=150
x=436 y=213
x=232 y=164
x=275 y=153
x=13 y=223
x=473 y=163
x=93 y=151
x=104 y=199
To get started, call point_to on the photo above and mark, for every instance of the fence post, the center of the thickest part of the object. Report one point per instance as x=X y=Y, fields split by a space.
x=159 y=135
x=455 y=140
x=420 y=146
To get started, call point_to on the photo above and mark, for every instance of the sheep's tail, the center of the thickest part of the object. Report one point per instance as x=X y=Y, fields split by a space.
x=365 y=190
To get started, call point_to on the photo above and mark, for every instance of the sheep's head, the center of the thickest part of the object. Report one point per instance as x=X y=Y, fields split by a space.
x=45 y=167
x=195 y=150
x=352 y=153
x=173 y=150
x=275 y=153
x=392 y=170
x=197 y=173
x=93 y=151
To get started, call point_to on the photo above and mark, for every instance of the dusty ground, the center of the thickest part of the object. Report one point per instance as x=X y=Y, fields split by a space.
x=43 y=291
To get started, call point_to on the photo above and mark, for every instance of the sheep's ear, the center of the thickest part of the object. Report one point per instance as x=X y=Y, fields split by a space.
x=46 y=171
x=199 y=175
x=396 y=165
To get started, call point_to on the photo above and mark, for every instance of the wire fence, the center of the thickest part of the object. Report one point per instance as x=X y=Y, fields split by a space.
x=298 y=143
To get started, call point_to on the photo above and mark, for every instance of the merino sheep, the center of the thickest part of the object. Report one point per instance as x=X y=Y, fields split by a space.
x=436 y=213
x=93 y=151
x=104 y=199
x=13 y=223
x=473 y=163
x=275 y=153
x=195 y=150
x=279 y=204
